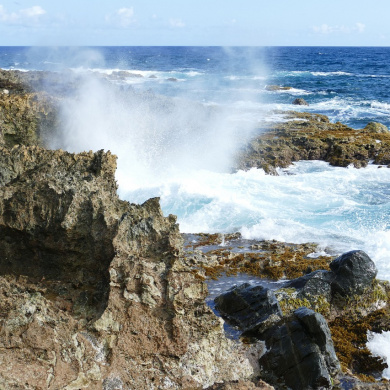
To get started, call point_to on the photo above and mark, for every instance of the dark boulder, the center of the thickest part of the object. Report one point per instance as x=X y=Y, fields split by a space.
x=300 y=352
x=248 y=306
x=314 y=284
x=300 y=102
x=354 y=272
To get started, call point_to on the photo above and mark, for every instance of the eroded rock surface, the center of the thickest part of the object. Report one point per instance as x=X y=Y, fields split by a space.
x=312 y=137
x=94 y=291
x=28 y=114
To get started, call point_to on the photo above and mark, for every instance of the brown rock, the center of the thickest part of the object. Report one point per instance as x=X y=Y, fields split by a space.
x=94 y=291
x=375 y=127
x=276 y=88
x=313 y=137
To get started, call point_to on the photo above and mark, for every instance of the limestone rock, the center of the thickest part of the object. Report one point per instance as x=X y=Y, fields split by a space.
x=309 y=136
x=27 y=114
x=94 y=291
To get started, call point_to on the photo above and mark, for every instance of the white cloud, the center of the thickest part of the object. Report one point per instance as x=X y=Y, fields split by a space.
x=24 y=16
x=176 y=23
x=33 y=11
x=360 y=27
x=327 y=29
x=122 y=17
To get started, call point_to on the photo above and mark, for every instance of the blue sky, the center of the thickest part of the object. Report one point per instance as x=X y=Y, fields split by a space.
x=195 y=22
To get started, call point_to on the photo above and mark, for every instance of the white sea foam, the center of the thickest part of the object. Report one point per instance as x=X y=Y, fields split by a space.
x=292 y=91
x=342 y=209
x=379 y=345
x=381 y=106
x=244 y=77
x=327 y=74
x=299 y=73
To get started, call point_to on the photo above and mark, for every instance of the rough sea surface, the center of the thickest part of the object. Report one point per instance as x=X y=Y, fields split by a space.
x=188 y=111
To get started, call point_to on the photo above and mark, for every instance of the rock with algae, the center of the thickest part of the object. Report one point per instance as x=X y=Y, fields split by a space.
x=309 y=136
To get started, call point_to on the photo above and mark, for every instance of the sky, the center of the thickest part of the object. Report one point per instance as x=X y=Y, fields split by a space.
x=195 y=23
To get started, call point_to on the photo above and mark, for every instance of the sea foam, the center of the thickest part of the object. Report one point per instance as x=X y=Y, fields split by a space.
x=379 y=345
x=340 y=209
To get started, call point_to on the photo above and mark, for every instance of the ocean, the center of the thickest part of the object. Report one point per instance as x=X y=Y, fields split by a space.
x=185 y=111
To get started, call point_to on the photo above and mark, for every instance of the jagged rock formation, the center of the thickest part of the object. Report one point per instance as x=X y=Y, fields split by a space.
x=313 y=137
x=94 y=291
x=27 y=114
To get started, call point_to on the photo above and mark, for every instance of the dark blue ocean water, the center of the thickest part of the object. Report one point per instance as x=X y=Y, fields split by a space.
x=349 y=84
x=190 y=108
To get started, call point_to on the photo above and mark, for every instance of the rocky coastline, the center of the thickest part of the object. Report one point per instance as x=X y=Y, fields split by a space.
x=307 y=136
x=99 y=293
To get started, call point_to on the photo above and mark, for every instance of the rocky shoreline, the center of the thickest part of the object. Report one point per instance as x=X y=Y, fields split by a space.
x=98 y=293
x=306 y=136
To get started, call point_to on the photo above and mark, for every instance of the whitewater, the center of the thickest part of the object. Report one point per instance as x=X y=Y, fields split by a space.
x=183 y=113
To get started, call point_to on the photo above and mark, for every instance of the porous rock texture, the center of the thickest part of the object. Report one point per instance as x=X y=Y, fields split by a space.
x=94 y=291
x=307 y=136
x=28 y=114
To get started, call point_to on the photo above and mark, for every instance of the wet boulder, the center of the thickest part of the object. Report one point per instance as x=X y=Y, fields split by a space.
x=354 y=271
x=300 y=352
x=317 y=283
x=300 y=102
x=248 y=307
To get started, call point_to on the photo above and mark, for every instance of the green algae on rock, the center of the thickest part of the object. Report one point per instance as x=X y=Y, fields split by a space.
x=349 y=317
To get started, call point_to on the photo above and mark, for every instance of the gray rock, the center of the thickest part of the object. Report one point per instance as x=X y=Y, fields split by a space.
x=248 y=306
x=354 y=271
x=314 y=284
x=300 y=352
